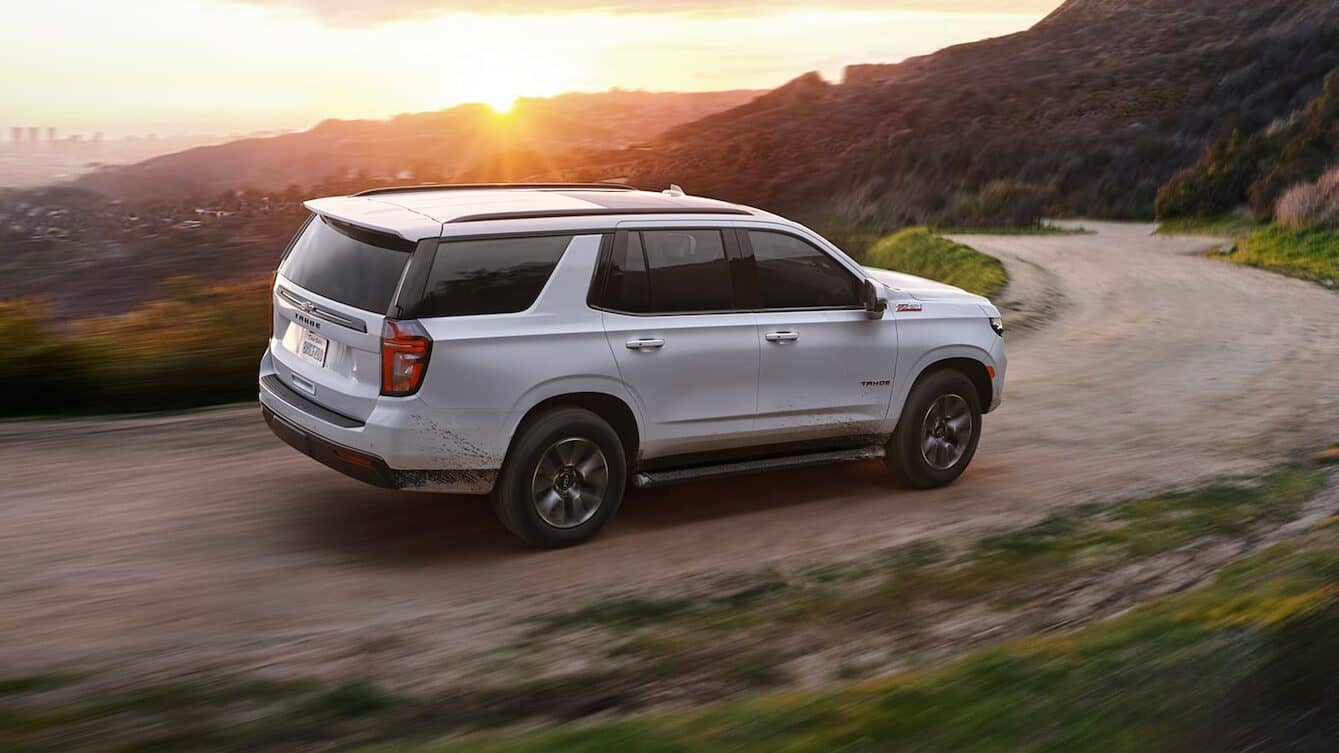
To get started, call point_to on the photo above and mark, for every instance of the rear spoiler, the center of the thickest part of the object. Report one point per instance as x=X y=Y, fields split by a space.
x=376 y=216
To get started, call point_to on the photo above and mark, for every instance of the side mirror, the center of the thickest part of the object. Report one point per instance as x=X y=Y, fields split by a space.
x=875 y=304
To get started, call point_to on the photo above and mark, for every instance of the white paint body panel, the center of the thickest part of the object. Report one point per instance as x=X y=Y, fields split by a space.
x=696 y=393
x=836 y=374
x=717 y=383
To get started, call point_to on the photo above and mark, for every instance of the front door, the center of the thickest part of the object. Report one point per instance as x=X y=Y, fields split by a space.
x=825 y=368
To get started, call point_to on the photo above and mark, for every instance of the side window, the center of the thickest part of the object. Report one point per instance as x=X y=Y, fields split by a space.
x=792 y=274
x=490 y=275
x=688 y=270
x=627 y=287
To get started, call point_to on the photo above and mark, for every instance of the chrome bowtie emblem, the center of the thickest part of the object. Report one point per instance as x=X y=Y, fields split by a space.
x=308 y=306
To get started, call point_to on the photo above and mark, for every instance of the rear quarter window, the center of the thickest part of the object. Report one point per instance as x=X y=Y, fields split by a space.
x=490 y=275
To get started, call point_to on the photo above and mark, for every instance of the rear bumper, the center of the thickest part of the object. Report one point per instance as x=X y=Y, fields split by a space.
x=346 y=460
x=366 y=451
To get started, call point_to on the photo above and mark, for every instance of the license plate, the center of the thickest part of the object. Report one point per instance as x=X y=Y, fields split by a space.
x=312 y=347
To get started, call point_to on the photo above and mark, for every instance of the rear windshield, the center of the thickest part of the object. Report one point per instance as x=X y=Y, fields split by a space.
x=348 y=264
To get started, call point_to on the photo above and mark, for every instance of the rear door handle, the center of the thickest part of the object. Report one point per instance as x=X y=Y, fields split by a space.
x=646 y=343
x=781 y=337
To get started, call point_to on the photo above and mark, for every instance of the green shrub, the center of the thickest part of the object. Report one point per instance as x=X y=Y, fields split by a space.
x=1311 y=204
x=1310 y=151
x=1218 y=183
x=198 y=346
x=1310 y=253
x=39 y=369
x=920 y=252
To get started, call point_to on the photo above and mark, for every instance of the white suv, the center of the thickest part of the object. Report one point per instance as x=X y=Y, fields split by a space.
x=552 y=344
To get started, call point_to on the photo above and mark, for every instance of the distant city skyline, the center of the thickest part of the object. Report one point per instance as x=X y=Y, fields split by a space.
x=42 y=135
x=217 y=67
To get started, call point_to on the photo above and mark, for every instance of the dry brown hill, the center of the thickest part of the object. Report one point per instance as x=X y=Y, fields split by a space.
x=431 y=146
x=1088 y=112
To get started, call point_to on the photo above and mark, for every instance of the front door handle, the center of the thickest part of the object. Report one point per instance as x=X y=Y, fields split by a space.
x=781 y=337
x=646 y=343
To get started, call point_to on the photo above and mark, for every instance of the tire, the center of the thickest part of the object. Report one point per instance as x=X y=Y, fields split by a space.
x=927 y=450
x=563 y=451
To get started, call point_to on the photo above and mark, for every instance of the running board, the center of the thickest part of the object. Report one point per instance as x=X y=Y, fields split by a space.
x=647 y=480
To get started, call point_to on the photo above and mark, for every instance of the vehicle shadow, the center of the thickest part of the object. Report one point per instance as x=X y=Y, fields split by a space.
x=405 y=529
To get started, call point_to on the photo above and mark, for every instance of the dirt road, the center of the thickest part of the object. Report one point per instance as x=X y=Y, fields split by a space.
x=175 y=543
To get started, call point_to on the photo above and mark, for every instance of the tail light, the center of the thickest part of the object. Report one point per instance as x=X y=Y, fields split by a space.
x=405 y=348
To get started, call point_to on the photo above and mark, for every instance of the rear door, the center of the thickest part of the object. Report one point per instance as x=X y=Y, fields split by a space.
x=826 y=369
x=688 y=356
x=331 y=295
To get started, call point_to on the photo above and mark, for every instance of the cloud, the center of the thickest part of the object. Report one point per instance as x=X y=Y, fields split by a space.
x=363 y=13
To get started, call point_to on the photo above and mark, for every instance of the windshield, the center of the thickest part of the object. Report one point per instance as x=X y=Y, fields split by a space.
x=354 y=266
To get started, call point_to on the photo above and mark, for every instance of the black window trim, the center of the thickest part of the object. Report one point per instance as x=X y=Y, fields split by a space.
x=294 y=240
x=747 y=246
x=743 y=271
x=369 y=236
x=414 y=284
x=619 y=239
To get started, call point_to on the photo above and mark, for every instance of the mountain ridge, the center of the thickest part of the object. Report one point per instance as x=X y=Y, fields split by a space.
x=433 y=145
x=1092 y=110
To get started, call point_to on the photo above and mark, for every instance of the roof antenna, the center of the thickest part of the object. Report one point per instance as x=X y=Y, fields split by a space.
x=673 y=191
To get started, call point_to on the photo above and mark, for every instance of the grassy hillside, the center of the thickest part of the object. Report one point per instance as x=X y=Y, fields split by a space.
x=1310 y=253
x=919 y=251
x=1256 y=169
x=1303 y=240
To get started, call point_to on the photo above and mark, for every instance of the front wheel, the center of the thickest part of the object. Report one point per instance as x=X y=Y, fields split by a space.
x=562 y=480
x=937 y=435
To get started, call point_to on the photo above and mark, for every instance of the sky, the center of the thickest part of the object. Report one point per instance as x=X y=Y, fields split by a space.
x=227 y=66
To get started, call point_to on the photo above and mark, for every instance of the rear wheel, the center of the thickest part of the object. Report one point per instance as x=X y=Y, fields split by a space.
x=937 y=435
x=562 y=480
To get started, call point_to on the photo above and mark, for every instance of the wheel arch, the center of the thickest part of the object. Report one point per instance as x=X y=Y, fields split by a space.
x=614 y=410
x=972 y=362
x=973 y=369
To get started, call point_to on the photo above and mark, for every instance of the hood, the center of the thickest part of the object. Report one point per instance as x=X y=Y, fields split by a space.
x=920 y=288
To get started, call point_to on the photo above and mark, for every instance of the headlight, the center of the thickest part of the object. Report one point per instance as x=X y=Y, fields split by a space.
x=997 y=324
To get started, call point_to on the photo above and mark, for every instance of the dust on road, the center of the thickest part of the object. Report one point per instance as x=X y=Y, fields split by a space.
x=199 y=541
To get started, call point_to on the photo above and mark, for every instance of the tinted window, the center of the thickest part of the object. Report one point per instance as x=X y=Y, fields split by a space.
x=792 y=273
x=688 y=270
x=357 y=267
x=627 y=287
x=490 y=276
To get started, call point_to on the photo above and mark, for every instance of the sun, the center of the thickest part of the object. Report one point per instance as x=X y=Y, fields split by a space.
x=501 y=103
x=502 y=89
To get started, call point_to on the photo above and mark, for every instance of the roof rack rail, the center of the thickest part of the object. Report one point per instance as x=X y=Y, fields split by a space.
x=600 y=212
x=487 y=186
